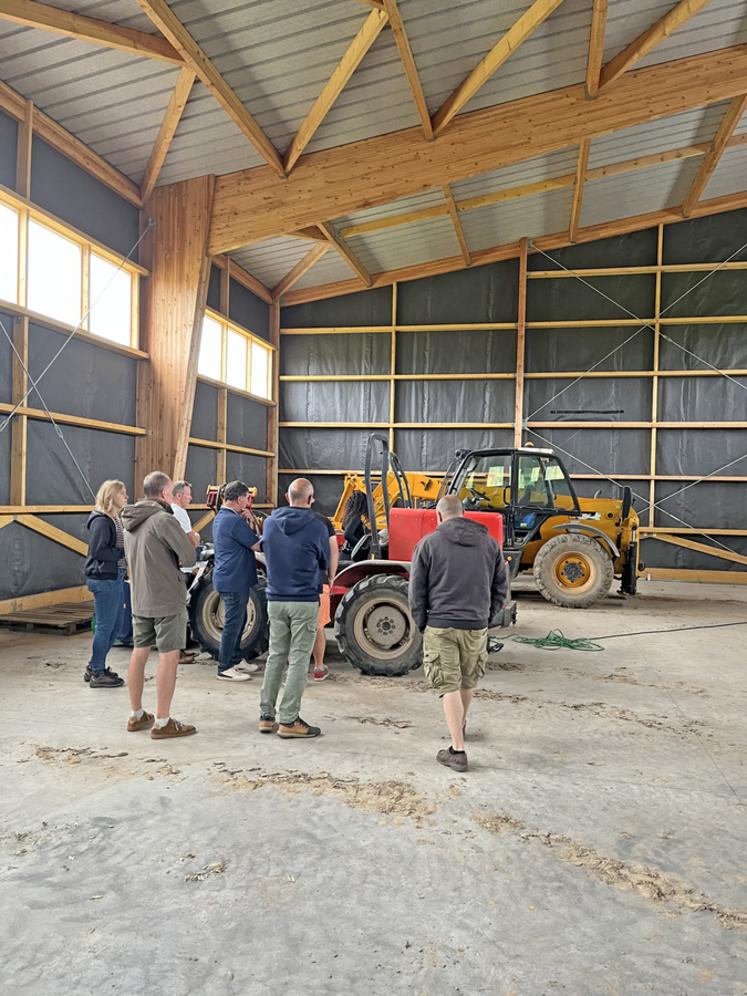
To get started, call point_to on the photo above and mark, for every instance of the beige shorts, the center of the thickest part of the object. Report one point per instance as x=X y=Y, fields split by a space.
x=454 y=659
x=165 y=633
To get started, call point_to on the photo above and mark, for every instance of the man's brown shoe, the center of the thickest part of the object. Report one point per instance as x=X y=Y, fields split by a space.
x=267 y=725
x=456 y=760
x=145 y=721
x=172 y=729
x=297 y=729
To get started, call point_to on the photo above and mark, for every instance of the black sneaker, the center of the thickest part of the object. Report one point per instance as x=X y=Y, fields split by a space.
x=454 y=759
x=106 y=679
x=88 y=673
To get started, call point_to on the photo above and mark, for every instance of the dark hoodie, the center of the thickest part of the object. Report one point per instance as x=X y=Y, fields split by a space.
x=296 y=547
x=458 y=578
x=103 y=552
x=156 y=547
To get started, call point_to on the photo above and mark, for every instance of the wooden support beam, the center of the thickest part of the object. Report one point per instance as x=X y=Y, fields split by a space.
x=61 y=596
x=458 y=230
x=726 y=128
x=596 y=47
x=408 y=62
x=79 y=420
x=222 y=427
x=712 y=551
x=521 y=326
x=705 y=577
x=252 y=204
x=52 y=533
x=302 y=267
x=180 y=268
x=650 y=38
x=23 y=151
x=519 y=31
x=334 y=86
x=347 y=254
x=272 y=415
x=19 y=425
x=653 y=442
x=88 y=29
x=169 y=24
x=246 y=279
x=578 y=189
x=174 y=111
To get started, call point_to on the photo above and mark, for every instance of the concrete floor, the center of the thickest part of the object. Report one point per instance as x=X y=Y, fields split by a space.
x=597 y=844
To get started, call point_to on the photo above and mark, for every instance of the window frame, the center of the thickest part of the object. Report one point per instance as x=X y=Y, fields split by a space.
x=251 y=339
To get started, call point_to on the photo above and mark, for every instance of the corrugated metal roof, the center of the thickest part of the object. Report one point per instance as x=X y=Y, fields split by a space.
x=330 y=268
x=509 y=221
x=403 y=205
x=529 y=171
x=270 y=260
x=405 y=245
x=651 y=189
x=730 y=176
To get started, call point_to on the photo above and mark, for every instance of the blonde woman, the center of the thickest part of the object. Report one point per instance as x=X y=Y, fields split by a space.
x=105 y=573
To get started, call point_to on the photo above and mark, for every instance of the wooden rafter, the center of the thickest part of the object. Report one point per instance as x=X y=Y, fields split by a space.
x=408 y=62
x=726 y=128
x=350 y=258
x=232 y=269
x=88 y=29
x=159 y=12
x=529 y=21
x=302 y=267
x=650 y=38
x=332 y=89
x=578 y=188
x=174 y=111
x=596 y=47
x=251 y=204
x=458 y=230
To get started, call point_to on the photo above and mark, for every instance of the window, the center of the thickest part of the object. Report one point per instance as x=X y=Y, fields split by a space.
x=235 y=357
x=54 y=278
x=110 y=297
x=9 y=257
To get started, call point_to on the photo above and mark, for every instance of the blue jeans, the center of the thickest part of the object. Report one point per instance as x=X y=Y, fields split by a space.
x=108 y=597
x=234 y=620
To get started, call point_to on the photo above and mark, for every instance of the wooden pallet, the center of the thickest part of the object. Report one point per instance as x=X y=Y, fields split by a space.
x=64 y=619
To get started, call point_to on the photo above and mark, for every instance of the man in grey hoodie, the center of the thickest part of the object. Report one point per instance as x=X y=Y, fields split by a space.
x=458 y=581
x=156 y=547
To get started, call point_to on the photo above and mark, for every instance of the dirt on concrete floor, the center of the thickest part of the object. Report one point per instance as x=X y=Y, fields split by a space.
x=597 y=844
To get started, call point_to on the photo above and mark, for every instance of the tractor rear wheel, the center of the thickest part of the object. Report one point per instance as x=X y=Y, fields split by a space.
x=374 y=628
x=206 y=621
x=573 y=571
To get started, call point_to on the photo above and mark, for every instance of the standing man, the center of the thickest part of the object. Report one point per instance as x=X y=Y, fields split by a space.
x=182 y=499
x=320 y=670
x=156 y=547
x=234 y=575
x=297 y=551
x=458 y=581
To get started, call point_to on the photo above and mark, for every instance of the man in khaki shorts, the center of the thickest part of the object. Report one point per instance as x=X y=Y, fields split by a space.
x=156 y=547
x=458 y=582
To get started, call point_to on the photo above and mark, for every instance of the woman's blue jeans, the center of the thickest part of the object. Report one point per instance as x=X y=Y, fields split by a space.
x=108 y=597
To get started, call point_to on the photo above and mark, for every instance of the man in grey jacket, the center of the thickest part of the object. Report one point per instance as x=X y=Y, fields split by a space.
x=458 y=581
x=156 y=548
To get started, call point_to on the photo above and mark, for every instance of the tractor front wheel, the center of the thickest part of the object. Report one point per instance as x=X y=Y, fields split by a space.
x=573 y=571
x=374 y=629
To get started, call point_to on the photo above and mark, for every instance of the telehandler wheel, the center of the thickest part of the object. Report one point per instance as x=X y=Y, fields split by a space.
x=573 y=571
x=206 y=621
x=374 y=628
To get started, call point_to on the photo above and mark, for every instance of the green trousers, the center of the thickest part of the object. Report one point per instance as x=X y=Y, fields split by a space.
x=292 y=634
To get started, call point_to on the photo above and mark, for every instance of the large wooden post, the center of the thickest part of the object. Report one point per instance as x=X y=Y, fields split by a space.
x=176 y=255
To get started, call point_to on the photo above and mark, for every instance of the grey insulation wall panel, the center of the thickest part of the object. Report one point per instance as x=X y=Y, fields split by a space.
x=248 y=310
x=622 y=348
x=252 y=470
x=633 y=249
x=372 y=307
x=356 y=401
x=454 y=401
x=323 y=449
x=705 y=240
x=714 y=505
x=483 y=294
x=701 y=451
x=213 y=293
x=456 y=352
x=724 y=346
x=433 y=449
x=327 y=490
x=247 y=422
x=602 y=451
x=64 y=189
x=591 y=399
x=201 y=471
x=32 y=563
x=86 y=380
x=8 y=143
x=570 y=300
x=6 y=354
x=53 y=478
x=326 y=355
x=205 y=412
x=703 y=399
x=656 y=554
x=688 y=294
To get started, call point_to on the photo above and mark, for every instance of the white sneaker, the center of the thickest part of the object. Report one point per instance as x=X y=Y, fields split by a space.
x=231 y=674
x=249 y=667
